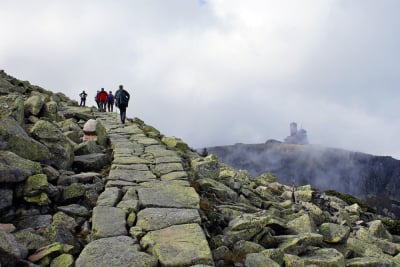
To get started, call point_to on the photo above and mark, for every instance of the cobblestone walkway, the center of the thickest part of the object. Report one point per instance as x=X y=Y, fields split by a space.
x=148 y=213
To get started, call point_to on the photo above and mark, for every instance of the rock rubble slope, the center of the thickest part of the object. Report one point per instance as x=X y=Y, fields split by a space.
x=77 y=188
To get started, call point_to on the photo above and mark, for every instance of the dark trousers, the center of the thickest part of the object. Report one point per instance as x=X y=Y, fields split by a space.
x=110 y=106
x=122 y=109
x=83 y=102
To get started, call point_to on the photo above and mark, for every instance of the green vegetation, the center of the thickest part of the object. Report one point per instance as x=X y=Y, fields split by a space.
x=393 y=226
x=349 y=199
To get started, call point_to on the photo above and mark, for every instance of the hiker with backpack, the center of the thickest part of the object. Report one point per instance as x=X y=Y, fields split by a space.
x=121 y=101
x=110 y=102
x=83 y=96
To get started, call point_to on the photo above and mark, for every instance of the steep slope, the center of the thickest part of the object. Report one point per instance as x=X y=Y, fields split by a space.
x=126 y=195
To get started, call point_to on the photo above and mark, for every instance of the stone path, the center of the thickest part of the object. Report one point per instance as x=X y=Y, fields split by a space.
x=148 y=213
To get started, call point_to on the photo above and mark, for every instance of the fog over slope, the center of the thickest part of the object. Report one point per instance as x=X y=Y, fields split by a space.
x=325 y=168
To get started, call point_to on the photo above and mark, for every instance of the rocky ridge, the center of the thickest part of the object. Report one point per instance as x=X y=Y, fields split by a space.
x=134 y=197
x=375 y=179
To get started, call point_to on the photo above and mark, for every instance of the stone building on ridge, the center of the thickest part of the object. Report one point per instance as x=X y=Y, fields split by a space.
x=298 y=137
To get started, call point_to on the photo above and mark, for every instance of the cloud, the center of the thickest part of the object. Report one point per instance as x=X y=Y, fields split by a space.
x=220 y=72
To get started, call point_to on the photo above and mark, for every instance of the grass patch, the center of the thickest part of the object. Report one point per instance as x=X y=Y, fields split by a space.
x=350 y=199
x=393 y=226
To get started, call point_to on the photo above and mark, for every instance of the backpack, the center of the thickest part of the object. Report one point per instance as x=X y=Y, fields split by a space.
x=122 y=98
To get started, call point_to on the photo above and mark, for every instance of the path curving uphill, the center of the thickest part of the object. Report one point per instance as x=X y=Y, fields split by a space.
x=148 y=214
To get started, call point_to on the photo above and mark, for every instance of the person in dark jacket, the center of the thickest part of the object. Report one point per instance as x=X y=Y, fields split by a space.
x=121 y=101
x=83 y=96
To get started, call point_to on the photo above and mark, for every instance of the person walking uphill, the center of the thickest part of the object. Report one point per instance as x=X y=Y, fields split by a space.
x=121 y=101
x=102 y=97
x=110 y=102
x=83 y=96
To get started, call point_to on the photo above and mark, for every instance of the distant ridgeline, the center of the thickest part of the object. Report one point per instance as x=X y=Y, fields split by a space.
x=373 y=178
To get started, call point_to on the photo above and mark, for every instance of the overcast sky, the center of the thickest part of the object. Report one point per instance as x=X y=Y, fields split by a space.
x=219 y=72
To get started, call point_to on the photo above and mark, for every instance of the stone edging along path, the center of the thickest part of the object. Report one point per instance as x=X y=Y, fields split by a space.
x=148 y=213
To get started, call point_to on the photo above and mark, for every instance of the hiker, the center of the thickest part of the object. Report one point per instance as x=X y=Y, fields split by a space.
x=102 y=97
x=96 y=99
x=110 y=102
x=121 y=101
x=83 y=96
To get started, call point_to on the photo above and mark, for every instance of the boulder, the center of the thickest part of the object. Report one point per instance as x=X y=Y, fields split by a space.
x=207 y=167
x=59 y=146
x=324 y=257
x=173 y=142
x=303 y=224
x=87 y=147
x=34 y=221
x=31 y=240
x=50 y=110
x=34 y=105
x=14 y=138
x=78 y=113
x=334 y=233
x=10 y=252
x=15 y=169
x=259 y=260
x=221 y=191
x=49 y=252
x=91 y=162
x=377 y=229
x=61 y=230
x=94 y=128
x=64 y=260
x=6 y=198
x=299 y=243
x=370 y=261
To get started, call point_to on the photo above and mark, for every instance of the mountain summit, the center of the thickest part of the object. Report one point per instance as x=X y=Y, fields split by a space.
x=79 y=188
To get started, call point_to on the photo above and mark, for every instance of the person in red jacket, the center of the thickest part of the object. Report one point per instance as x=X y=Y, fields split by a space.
x=102 y=98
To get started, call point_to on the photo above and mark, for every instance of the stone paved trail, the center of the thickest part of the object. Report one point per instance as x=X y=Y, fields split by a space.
x=148 y=213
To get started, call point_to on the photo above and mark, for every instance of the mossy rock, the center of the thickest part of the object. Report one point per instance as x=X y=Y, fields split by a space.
x=173 y=142
x=334 y=233
x=266 y=178
x=64 y=260
x=35 y=184
x=151 y=131
x=41 y=199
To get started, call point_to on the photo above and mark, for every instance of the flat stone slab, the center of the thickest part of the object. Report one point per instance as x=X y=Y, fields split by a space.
x=119 y=183
x=115 y=251
x=130 y=160
x=181 y=175
x=164 y=168
x=146 y=141
x=169 y=196
x=109 y=197
x=134 y=167
x=168 y=159
x=179 y=245
x=107 y=222
x=161 y=151
x=131 y=176
x=151 y=219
